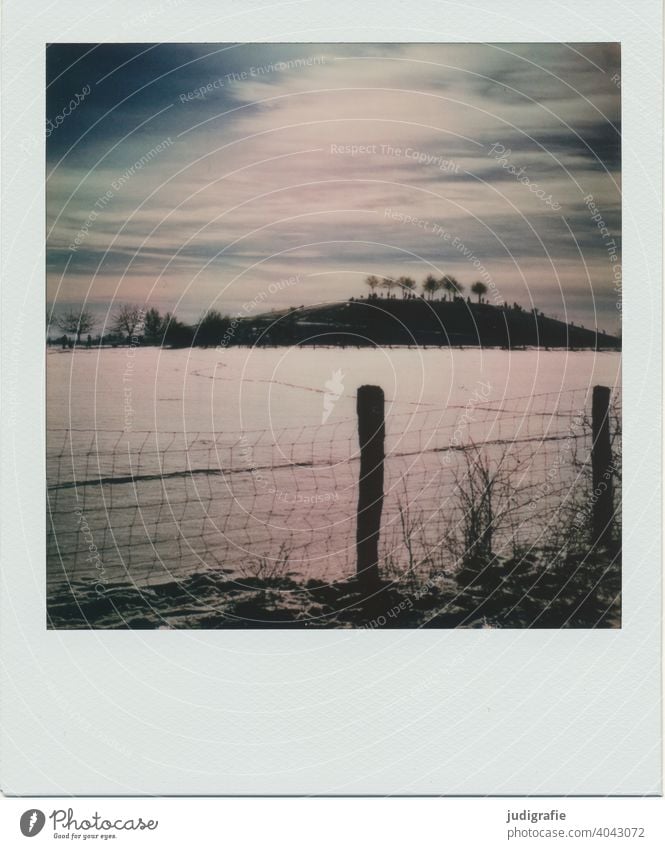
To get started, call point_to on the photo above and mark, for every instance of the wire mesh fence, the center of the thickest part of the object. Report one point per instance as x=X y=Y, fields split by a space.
x=144 y=509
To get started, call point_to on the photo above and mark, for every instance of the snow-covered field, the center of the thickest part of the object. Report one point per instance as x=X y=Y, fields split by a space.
x=165 y=463
x=238 y=388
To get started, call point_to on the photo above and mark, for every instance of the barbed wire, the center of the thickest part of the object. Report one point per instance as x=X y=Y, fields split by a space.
x=146 y=507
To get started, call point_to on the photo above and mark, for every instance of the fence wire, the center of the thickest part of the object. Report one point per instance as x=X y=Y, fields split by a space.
x=145 y=508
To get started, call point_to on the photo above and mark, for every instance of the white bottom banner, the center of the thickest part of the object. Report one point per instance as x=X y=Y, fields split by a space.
x=328 y=823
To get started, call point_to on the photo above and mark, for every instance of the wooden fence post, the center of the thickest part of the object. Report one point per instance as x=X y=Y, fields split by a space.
x=602 y=467
x=371 y=435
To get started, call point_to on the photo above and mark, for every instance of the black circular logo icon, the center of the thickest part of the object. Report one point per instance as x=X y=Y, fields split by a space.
x=32 y=822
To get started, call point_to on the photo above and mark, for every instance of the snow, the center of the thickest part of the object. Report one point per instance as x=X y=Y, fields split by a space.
x=221 y=458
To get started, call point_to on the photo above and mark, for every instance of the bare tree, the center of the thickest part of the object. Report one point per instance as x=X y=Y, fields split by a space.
x=430 y=286
x=76 y=321
x=450 y=285
x=388 y=283
x=407 y=285
x=458 y=288
x=126 y=318
x=373 y=282
x=479 y=288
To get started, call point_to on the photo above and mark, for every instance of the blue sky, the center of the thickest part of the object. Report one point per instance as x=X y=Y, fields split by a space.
x=194 y=176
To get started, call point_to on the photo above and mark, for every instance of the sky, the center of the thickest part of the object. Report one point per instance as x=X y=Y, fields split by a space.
x=246 y=178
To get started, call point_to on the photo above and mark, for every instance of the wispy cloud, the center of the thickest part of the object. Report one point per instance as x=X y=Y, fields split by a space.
x=283 y=159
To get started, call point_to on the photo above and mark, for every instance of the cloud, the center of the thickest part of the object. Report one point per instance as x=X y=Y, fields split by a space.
x=282 y=159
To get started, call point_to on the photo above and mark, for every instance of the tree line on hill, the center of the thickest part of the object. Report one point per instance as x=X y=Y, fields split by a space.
x=133 y=324
x=447 y=284
x=147 y=326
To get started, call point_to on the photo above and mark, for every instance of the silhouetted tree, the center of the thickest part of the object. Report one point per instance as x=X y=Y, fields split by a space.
x=126 y=318
x=153 y=323
x=430 y=286
x=450 y=285
x=176 y=334
x=388 y=284
x=77 y=322
x=211 y=328
x=373 y=282
x=407 y=285
x=479 y=288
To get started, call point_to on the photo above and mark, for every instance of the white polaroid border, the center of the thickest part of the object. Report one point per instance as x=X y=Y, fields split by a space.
x=327 y=712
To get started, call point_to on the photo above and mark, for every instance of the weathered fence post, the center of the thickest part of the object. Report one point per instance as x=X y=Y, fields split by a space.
x=371 y=435
x=602 y=467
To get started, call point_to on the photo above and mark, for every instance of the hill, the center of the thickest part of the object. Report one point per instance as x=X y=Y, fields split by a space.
x=416 y=321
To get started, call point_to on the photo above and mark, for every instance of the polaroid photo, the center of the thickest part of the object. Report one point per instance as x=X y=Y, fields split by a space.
x=295 y=381
x=332 y=381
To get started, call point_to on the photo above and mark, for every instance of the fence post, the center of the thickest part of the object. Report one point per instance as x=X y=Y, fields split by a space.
x=371 y=435
x=602 y=468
